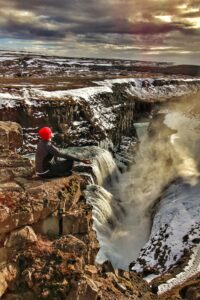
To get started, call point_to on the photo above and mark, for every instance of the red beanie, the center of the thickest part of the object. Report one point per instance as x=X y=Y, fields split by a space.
x=45 y=133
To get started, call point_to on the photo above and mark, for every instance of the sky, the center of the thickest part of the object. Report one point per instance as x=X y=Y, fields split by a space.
x=157 y=30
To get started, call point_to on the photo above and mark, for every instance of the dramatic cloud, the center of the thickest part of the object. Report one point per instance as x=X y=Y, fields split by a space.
x=138 y=29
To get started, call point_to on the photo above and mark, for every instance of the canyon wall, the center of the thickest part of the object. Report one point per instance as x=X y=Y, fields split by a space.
x=88 y=115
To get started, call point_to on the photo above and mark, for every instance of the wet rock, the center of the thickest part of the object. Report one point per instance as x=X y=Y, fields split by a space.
x=90 y=239
x=147 y=270
x=107 y=267
x=154 y=288
x=83 y=169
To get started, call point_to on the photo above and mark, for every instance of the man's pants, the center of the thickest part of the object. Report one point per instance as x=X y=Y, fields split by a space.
x=59 y=169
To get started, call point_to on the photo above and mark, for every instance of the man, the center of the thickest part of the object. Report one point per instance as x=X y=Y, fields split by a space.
x=46 y=152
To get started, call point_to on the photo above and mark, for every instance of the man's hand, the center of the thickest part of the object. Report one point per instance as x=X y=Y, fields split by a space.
x=86 y=161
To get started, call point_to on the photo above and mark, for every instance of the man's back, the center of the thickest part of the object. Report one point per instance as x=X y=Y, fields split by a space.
x=43 y=156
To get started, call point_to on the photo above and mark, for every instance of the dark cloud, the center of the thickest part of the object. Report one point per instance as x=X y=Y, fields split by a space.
x=29 y=31
x=103 y=25
x=191 y=15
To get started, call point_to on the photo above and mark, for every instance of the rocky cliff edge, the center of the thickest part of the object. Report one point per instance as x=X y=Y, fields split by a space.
x=47 y=244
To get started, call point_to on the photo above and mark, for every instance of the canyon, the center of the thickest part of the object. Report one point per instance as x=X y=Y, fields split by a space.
x=50 y=239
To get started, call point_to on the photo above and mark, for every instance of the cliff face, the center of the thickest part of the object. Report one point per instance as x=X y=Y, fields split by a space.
x=47 y=244
x=88 y=115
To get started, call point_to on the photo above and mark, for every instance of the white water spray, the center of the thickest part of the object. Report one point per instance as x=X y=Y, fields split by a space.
x=123 y=219
x=105 y=168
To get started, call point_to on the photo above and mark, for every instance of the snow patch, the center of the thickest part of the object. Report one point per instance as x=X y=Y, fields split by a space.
x=190 y=270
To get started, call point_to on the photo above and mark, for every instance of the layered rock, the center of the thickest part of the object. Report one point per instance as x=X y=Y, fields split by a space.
x=36 y=263
x=88 y=115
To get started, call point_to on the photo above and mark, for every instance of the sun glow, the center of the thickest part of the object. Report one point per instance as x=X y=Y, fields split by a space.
x=182 y=6
x=187 y=9
x=166 y=19
x=192 y=10
x=195 y=22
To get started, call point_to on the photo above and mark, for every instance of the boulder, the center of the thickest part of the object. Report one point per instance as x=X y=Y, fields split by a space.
x=91 y=270
x=71 y=244
x=90 y=291
x=10 y=136
x=20 y=238
x=7 y=274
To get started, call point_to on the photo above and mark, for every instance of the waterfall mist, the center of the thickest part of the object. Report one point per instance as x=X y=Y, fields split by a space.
x=169 y=149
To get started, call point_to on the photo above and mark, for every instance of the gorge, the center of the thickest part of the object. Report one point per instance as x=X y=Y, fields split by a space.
x=140 y=194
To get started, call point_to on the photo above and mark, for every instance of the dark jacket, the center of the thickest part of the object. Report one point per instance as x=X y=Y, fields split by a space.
x=45 y=153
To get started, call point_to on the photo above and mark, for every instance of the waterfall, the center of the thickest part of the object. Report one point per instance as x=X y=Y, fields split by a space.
x=121 y=219
x=123 y=214
x=141 y=128
x=105 y=168
x=108 y=214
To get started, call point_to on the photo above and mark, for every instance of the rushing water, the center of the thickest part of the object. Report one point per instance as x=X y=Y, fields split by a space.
x=123 y=213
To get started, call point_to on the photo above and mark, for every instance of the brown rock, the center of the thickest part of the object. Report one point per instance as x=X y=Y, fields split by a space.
x=3 y=255
x=71 y=244
x=7 y=274
x=13 y=165
x=74 y=292
x=10 y=186
x=91 y=270
x=3 y=284
x=20 y=238
x=35 y=202
x=191 y=291
x=50 y=269
x=10 y=136
x=91 y=291
x=49 y=226
x=23 y=296
x=71 y=226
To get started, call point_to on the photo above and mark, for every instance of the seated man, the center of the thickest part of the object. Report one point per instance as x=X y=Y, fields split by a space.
x=45 y=153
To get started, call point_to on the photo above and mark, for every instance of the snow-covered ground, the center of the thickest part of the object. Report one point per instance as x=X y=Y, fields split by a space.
x=143 y=89
x=176 y=227
x=31 y=58
x=191 y=269
x=176 y=222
